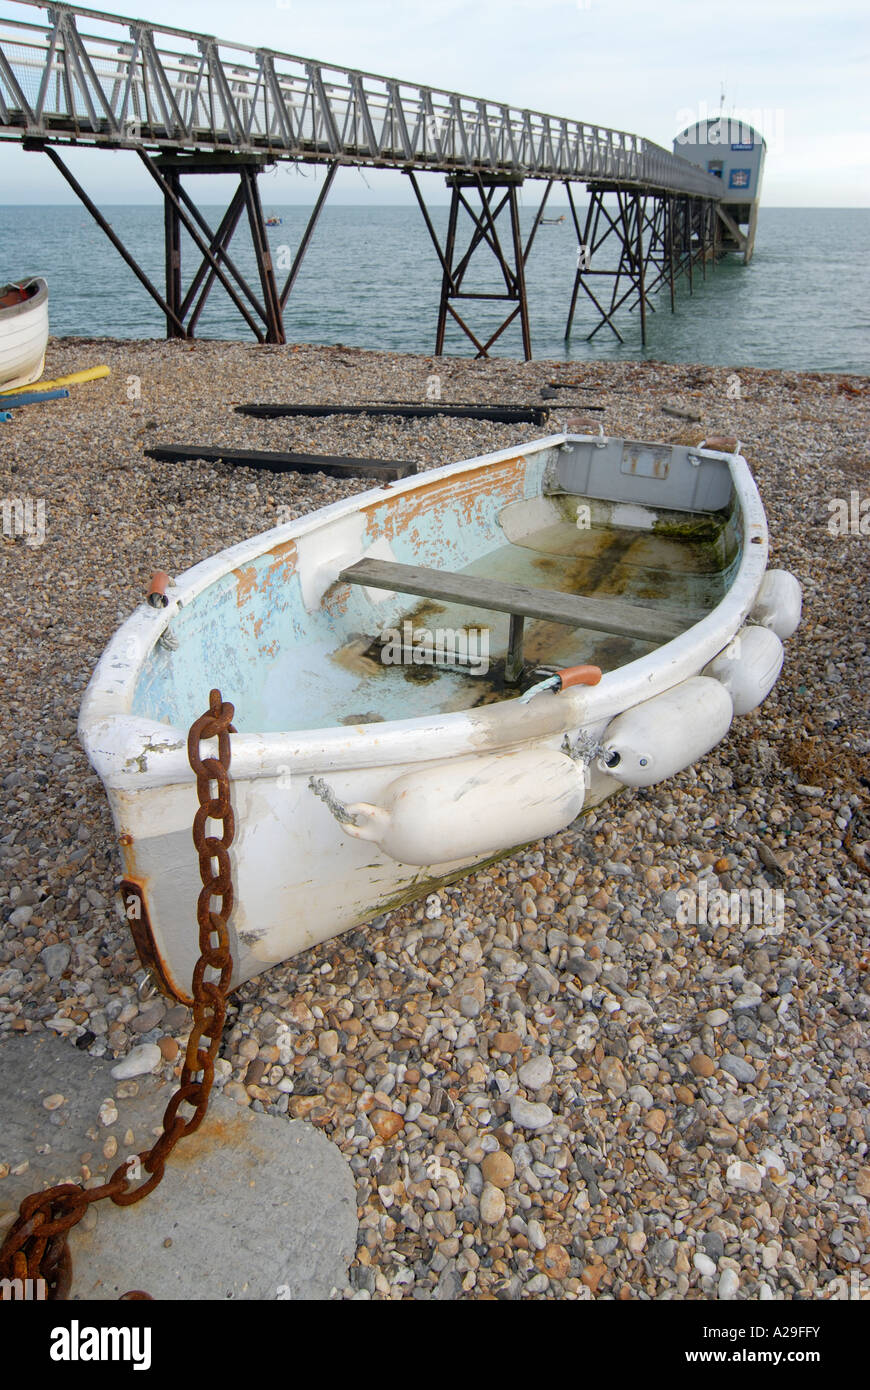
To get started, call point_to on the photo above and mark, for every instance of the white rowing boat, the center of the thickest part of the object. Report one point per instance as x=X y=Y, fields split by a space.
x=391 y=661
x=23 y=332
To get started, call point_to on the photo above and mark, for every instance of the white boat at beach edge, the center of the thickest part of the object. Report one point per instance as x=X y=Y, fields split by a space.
x=332 y=820
x=23 y=332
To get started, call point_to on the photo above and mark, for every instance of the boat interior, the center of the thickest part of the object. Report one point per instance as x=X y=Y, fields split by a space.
x=13 y=295
x=457 y=592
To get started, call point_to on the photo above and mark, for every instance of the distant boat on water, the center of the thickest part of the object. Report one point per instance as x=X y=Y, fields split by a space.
x=551 y=221
x=274 y=221
x=23 y=332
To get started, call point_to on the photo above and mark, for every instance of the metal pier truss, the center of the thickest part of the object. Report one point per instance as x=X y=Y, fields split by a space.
x=189 y=103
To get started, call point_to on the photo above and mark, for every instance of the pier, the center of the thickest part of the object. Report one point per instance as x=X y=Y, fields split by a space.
x=188 y=105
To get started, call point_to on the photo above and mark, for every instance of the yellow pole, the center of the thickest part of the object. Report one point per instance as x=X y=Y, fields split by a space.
x=88 y=374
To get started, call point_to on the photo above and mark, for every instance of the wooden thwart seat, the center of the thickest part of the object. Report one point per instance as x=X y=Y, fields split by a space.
x=549 y=605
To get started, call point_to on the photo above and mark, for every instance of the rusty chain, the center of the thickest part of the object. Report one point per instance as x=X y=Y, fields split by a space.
x=36 y=1245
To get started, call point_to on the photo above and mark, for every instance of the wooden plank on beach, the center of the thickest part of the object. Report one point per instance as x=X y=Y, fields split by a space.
x=596 y=614
x=333 y=465
x=496 y=414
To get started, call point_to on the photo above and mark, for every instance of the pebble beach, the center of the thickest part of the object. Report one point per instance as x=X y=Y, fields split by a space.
x=546 y=1085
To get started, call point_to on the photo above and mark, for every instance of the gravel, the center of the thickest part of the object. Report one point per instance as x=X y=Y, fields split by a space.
x=545 y=1085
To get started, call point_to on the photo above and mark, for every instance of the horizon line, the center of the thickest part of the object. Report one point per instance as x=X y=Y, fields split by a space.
x=770 y=207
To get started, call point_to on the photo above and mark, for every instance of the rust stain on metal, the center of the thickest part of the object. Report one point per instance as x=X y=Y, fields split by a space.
x=139 y=923
x=646 y=464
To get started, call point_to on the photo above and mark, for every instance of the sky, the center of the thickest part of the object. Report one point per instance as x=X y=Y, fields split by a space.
x=796 y=69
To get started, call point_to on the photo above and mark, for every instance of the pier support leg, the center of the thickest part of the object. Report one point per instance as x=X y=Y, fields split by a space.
x=520 y=275
x=112 y=236
x=172 y=239
x=589 y=244
x=654 y=237
x=690 y=239
x=182 y=309
x=584 y=255
x=640 y=258
x=195 y=224
x=495 y=195
x=205 y=276
x=447 y=283
x=702 y=237
x=634 y=237
x=260 y=238
x=669 y=247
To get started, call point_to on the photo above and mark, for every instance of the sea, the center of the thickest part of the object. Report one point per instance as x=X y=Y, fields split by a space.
x=371 y=279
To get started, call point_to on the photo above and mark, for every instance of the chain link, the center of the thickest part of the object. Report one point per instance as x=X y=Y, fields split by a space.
x=36 y=1245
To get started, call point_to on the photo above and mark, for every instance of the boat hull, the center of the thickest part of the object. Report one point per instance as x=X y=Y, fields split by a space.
x=307 y=861
x=23 y=339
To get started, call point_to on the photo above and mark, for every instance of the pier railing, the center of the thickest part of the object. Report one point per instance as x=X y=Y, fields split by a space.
x=81 y=76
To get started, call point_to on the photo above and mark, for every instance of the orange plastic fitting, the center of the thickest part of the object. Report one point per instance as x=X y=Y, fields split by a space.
x=720 y=443
x=156 y=595
x=579 y=675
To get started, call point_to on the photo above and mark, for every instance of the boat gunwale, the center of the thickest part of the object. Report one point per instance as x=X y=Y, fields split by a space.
x=131 y=752
x=26 y=306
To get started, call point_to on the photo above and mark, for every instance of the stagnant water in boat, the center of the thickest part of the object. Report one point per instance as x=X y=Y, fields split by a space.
x=682 y=575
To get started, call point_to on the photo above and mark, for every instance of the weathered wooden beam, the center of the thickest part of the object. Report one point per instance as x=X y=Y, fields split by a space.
x=596 y=614
x=333 y=465
x=499 y=414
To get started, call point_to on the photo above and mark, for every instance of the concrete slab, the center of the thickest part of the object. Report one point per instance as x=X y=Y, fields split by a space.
x=250 y=1207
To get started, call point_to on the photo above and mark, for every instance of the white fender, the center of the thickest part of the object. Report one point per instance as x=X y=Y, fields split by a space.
x=748 y=667
x=659 y=738
x=472 y=806
x=778 y=604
